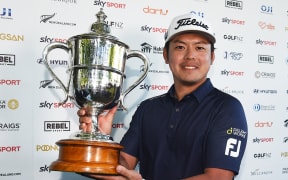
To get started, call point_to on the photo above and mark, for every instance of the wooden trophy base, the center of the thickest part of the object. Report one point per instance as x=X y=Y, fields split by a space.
x=83 y=156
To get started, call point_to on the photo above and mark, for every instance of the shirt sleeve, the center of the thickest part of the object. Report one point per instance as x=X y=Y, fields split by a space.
x=131 y=139
x=227 y=137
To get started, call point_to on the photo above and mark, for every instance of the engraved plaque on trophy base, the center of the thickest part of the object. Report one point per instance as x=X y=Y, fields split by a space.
x=87 y=157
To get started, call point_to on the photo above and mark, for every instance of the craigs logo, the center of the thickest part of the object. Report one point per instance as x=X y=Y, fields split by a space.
x=189 y=21
x=11 y=37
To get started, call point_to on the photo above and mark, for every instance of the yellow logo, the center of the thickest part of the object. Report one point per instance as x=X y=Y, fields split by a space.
x=13 y=104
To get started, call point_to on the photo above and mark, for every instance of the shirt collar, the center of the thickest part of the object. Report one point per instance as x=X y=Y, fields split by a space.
x=199 y=93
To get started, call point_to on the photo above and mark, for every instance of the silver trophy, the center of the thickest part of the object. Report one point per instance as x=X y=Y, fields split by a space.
x=95 y=80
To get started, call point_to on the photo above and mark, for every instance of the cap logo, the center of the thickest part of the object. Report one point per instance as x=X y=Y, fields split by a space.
x=190 y=21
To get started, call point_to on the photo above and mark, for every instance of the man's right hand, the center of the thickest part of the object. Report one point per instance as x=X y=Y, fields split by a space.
x=105 y=120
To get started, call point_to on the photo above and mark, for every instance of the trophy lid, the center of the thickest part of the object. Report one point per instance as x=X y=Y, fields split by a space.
x=98 y=28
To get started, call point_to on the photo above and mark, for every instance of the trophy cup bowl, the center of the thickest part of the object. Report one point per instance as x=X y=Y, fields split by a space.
x=95 y=79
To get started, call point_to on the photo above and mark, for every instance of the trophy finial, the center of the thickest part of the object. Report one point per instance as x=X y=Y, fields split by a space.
x=100 y=27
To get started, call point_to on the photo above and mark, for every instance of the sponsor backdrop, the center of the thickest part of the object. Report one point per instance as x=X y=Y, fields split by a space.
x=251 y=64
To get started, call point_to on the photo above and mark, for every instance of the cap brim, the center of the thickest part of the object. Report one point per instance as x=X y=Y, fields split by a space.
x=209 y=37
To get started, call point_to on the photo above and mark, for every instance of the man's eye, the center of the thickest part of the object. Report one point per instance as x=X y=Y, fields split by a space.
x=179 y=47
x=200 y=48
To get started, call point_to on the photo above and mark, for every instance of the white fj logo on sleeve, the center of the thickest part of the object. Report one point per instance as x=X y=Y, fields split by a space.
x=232 y=147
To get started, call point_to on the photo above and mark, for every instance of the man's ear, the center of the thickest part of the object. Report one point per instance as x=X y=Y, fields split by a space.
x=165 y=55
x=212 y=58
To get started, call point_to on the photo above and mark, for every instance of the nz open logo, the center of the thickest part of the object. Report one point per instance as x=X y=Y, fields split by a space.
x=45 y=18
x=286 y=123
x=233 y=147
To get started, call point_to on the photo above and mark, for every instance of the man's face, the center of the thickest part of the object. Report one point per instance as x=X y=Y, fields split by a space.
x=189 y=58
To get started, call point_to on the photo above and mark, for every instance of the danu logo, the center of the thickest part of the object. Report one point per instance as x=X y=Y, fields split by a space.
x=263 y=124
x=149 y=10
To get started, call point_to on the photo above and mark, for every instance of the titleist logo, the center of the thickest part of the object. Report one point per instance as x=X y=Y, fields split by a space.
x=189 y=21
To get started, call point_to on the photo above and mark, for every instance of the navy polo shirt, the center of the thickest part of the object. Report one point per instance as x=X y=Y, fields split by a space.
x=179 y=139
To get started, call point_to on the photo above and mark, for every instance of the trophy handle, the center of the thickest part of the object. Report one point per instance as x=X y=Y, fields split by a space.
x=46 y=51
x=144 y=58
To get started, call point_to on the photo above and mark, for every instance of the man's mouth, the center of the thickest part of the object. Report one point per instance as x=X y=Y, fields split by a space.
x=189 y=67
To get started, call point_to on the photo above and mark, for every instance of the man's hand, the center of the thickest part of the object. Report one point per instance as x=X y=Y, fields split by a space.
x=125 y=174
x=105 y=120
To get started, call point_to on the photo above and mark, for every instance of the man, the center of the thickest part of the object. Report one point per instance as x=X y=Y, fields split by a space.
x=194 y=131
